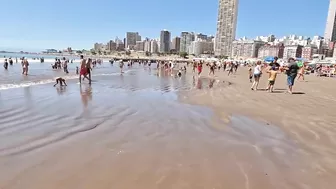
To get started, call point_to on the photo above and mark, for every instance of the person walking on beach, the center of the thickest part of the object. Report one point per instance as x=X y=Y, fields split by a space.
x=257 y=74
x=83 y=70
x=301 y=73
x=291 y=71
x=199 y=69
x=250 y=74
x=231 y=68
x=271 y=79
x=212 y=69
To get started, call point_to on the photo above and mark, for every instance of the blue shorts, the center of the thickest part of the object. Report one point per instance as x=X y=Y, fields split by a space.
x=290 y=80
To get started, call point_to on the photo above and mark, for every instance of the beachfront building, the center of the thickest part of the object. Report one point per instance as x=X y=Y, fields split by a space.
x=131 y=39
x=330 y=30
x=154 y=46
x=176 y=42
x=226 y=26
x=245 y=48
x=99 y=47
x=271 y=50
x=111 y=46
x=140 y=46
x=164 y=41
x=201 y=36
x=201 y=47
x=186 y=39
x=147 y=45
x=292 y=51
x=308 y=52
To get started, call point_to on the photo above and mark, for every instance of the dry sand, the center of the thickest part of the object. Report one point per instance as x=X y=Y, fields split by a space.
x=127 y=135
x=306 y=117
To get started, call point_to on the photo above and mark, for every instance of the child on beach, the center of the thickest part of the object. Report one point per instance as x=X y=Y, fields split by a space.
x=271 y=78
x=250 y=74
x=77 y=70
x=60 y=81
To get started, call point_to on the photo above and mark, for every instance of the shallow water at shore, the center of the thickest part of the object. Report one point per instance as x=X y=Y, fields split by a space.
x=132 y=131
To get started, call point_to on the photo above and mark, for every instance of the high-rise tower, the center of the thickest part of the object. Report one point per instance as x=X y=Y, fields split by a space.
x=330 y=30
x=226 y=26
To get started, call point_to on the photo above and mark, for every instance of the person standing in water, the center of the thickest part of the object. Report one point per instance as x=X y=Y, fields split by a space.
x=83 y=69
x=89 y=69
x=25 y=66
x=6 y=64
x=121 y=65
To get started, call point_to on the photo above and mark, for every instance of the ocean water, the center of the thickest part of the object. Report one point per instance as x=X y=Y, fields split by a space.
x=20 y=55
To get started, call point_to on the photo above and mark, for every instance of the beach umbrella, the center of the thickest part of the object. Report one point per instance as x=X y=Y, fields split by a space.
x=269 y=59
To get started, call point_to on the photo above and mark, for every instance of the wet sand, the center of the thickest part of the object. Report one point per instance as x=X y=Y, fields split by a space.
x=143 y=131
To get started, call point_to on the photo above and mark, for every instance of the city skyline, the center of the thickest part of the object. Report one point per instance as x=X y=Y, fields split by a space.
x=77 y=26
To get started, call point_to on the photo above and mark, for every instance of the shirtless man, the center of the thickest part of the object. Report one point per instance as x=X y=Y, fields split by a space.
x=60 y=81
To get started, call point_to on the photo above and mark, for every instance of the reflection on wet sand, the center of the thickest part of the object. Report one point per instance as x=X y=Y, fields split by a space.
x=86 y=94
x=61 y=90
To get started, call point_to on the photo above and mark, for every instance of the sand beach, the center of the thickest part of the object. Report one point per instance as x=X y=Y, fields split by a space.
x=147 y=129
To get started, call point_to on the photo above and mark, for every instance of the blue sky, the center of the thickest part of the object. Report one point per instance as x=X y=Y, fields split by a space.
x=39 y=24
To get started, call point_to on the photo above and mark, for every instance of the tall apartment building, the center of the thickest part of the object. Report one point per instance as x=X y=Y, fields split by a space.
x=330 y=30
x=186 y=39
x=226 y=26
x=165 y=41
x=131 y=39
x=154 y=46
x=246 y=48
x=147 y=45
x=176 y=42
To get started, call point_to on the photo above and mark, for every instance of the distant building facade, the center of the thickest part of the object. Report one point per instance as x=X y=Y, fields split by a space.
x=201 y=47
x=131 y=39
x=111 y=46
x=186 y=39
x=154 y=46
x=147 y=45
x=140 y=46
x=271 y=50
x=246 y=48
x=308 y=52
x=165 y=41
x=176 y=42
x=292 y=51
